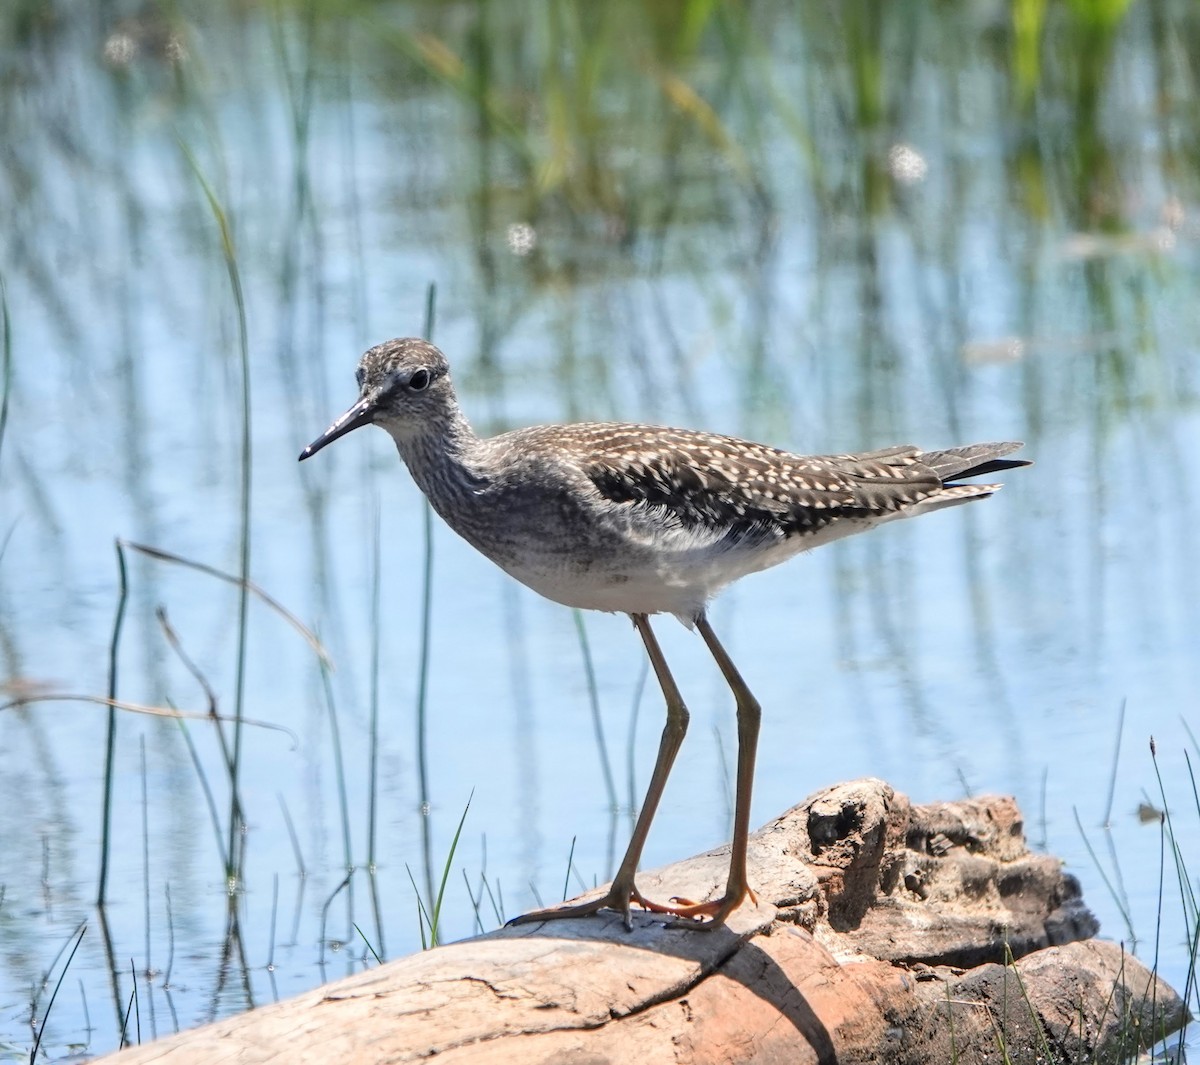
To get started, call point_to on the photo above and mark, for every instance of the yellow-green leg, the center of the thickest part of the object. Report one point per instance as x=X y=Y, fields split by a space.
x=623 y=891
x=749 y=714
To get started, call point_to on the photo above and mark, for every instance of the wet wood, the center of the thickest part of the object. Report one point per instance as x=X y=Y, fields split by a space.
x=880 y=935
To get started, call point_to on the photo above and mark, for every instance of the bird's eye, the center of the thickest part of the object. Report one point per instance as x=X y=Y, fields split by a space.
x=358 y=376
x=419 y=381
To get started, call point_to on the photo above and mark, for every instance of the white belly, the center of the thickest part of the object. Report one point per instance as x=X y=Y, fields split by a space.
x=679 y=576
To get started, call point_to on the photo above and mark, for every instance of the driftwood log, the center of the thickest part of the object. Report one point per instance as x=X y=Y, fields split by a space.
x=881 y=934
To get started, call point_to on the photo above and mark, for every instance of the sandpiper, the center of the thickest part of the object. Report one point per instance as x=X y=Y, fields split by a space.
x=644 y=520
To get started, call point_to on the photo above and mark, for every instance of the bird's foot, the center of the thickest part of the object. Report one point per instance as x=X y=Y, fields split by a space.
x=620 y=899
x=717 y=911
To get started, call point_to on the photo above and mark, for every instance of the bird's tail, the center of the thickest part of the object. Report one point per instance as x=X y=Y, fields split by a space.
x=973 y=460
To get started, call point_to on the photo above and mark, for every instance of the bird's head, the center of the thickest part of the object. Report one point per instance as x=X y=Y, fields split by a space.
x=403 y=386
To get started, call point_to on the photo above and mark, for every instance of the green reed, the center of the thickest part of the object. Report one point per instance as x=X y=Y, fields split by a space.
x=229 y=255
x=110 y=742
x=425 y=805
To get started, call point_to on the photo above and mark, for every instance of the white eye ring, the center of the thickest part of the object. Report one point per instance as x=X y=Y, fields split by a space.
x=419 y=381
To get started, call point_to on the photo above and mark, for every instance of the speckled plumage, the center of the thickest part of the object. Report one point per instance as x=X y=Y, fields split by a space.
x=641 y=518
x=645 y=520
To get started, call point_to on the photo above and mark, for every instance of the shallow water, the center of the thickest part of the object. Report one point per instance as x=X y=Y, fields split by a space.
x=825 y=235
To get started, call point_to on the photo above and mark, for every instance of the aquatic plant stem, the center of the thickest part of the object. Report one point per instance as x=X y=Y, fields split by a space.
x=110 y=746
x=229 y=253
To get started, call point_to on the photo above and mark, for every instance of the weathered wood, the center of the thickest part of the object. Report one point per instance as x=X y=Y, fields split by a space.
x=879 y=936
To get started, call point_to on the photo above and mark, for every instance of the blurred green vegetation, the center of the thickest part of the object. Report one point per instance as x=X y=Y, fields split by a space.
x=599 y=115
x=627 y=139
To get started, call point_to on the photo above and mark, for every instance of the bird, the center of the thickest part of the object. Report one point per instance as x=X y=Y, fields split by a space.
x=645 y=520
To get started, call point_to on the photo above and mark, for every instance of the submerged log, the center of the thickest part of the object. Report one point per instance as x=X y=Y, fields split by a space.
x=883 y=932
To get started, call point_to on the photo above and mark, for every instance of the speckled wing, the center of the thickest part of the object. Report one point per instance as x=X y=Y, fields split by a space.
x=756 y=492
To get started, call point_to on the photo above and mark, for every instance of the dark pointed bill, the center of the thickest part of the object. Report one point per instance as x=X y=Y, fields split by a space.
x=362 y=413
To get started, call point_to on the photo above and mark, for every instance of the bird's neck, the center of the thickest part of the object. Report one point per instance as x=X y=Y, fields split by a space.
x=444 y=458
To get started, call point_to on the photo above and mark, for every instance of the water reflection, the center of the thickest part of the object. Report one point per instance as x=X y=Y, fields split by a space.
x=827 y=230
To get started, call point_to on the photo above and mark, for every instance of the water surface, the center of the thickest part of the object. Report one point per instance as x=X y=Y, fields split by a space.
x=823 y=231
